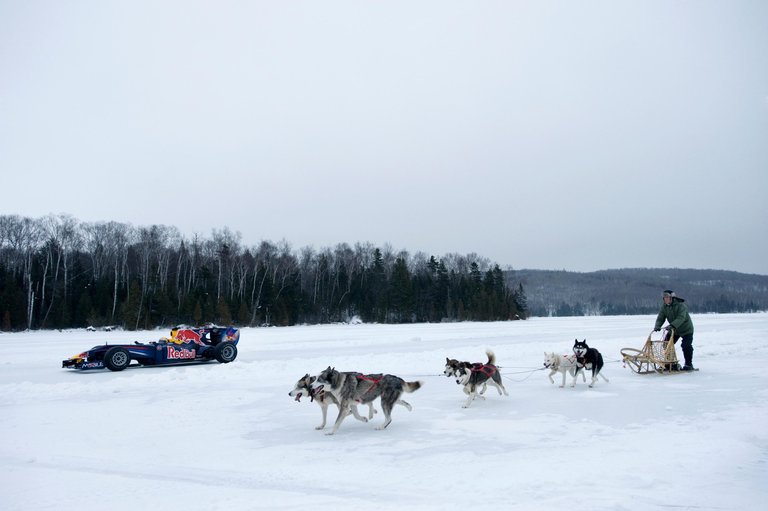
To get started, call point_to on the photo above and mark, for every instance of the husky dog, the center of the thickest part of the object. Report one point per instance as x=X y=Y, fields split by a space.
x=564 y=364
x=589 y=359
x=472 y=376
x=303 y=388
x=350 y=388
x=452 y=366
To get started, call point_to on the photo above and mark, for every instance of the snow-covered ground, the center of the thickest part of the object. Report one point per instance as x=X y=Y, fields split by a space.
x=228 y=437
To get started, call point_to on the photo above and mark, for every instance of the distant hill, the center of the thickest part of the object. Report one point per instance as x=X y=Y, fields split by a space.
x=638 y=291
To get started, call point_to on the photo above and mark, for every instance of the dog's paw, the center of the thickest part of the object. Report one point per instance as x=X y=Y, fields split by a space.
x=320 y=427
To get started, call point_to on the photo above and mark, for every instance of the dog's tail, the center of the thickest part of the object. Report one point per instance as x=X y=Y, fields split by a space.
x=412 y=386
x=491 y=357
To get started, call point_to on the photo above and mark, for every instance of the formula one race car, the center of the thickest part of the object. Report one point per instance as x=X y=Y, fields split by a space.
x=186 y=345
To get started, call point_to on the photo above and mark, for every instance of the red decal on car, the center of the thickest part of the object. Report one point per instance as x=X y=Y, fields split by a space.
x=180 y=354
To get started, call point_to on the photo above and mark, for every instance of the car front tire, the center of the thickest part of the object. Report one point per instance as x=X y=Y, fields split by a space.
x=117 y=359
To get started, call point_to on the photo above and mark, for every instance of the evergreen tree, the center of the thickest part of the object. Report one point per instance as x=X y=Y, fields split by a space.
x=56 y=273
x=401 y=293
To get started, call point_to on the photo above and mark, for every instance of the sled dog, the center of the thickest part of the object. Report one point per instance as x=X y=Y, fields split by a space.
x=351 y=388
x=452 y=366
x=588 y=359
x=303 y=388
x=473 y=376
x=563 y=364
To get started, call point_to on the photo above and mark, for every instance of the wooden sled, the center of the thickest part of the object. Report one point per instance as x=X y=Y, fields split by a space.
x=656 y=356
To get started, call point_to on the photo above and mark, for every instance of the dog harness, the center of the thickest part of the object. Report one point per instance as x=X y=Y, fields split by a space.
x=569 y=358
x=373 y=381
x=489 y=370
x=316 y=394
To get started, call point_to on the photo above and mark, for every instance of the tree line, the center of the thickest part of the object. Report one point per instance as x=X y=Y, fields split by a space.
x=58 y=272
x=638 y=291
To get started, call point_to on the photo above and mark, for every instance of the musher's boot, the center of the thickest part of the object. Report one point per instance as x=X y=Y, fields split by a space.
x=688 y=356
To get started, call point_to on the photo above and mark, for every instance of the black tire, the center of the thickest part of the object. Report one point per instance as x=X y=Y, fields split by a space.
x=225 y=352
x=117 y=359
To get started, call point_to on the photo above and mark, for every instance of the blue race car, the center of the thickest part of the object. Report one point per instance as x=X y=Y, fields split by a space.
x=186 y=345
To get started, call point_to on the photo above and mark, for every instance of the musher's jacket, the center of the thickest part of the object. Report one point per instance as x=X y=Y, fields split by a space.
x=677 y=315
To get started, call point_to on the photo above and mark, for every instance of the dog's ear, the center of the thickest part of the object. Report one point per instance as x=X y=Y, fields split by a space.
x=447 y=360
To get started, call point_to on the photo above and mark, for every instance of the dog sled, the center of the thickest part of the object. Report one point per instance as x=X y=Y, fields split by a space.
x=656 y=355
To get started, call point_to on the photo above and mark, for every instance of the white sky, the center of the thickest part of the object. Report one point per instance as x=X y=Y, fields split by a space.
x=540 y=134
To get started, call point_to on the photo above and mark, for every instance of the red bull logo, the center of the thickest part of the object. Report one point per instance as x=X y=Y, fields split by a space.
x=181 y=354
x=188 y=335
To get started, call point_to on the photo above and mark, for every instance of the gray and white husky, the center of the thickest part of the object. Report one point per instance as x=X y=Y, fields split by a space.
x=474 y=376
x=351 y=388
x=304 y=388
x=563 y=364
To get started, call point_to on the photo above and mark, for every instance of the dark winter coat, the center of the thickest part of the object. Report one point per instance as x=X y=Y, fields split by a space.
x=677 y=315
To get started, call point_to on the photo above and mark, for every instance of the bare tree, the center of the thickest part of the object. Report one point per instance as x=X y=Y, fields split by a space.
x=265 y=257
x=123 y=236
x=63 y=238
x=226 y=246
x=96 y=242
x=22 y=236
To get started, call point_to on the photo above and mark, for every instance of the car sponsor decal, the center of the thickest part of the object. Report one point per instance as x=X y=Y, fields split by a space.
x=188 y=335
x=174 y=354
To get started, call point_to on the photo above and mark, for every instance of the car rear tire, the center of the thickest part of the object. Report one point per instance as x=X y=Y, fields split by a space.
x=225 y=352
x=117 y=359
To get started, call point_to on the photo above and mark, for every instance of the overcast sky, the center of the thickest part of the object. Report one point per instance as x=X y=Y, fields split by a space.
x=576 y=135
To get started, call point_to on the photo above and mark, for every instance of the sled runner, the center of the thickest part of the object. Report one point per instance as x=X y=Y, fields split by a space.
x=656 y=356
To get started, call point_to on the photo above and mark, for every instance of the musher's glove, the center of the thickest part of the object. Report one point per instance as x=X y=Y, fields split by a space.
x=656 y=329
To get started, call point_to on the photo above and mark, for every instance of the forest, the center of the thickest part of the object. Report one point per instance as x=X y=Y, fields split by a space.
x=57 y=272
x=638 y=291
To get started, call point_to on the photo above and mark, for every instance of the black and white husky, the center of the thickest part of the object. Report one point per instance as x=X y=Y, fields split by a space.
x=452 y=366
x=589 y=359
x=350 y=389
x=304 y=388
x=475 y=376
